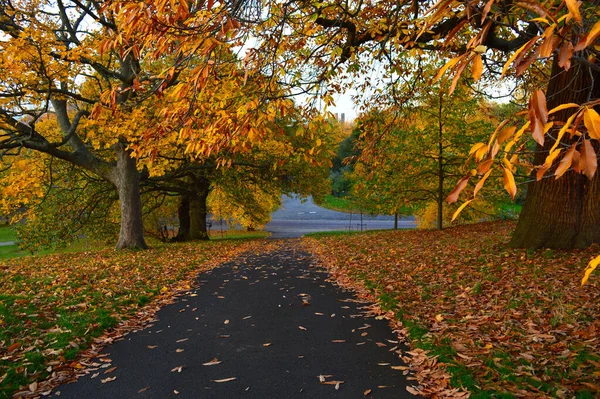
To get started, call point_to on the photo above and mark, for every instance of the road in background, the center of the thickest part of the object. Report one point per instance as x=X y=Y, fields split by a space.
x=295 y=218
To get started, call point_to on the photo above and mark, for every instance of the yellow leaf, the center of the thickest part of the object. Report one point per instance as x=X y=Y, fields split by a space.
x=459 y=210
x=590 y=268
x=449 y=64
x=509 y=183
x=548 y=163
x=591 y=119
x=164 y=289
x=593 y=34
x=563 y=130
x=561 y=107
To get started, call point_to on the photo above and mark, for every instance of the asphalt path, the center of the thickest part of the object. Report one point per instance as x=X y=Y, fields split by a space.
x=296 y=217
x=268 y=325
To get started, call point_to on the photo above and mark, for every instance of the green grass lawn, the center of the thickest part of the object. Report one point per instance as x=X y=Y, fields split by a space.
x=7 y=234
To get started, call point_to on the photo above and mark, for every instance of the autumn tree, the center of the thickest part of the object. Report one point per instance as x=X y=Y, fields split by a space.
x=321 y=48
x=412 y=156
x=47 y=49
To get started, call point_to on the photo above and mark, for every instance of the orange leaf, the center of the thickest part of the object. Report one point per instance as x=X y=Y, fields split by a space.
x=574 y=10
x=565 y=163
x=537 y=131
x=509 y=183
x=564 y=55
x=477 y=67
x=484 y=166
x=453 y=196
x=588 y=161
x=519 y=53
x=486 y=10
x=539 y=105
x=480 y=183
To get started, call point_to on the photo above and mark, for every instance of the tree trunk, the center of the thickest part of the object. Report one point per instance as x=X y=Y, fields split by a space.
x=127 y=180
x=183 y=214
x=563 y=213
x=198 y=211
x=396 y=220
x=440 y=194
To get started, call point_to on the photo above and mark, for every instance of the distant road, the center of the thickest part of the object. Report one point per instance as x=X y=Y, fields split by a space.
x=294 y=219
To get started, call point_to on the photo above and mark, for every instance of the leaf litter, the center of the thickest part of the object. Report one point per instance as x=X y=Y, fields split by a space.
x=512 y=321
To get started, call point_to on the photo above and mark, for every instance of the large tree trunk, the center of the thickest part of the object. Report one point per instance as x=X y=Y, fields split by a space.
x=183 y=213
x=198 y=210
x=127 y=180
x=563 y=213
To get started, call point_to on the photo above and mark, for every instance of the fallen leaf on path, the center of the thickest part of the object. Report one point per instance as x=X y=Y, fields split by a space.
x=182 y=340
x=33 y=386
x=109 y=379
x=178 y=369
x=339 y=340
x=226 y=322
x=143 y=390
x=412 y=390
x=302 y=328
x=225 y=379
x=152 y=346
x=267 y=344
x=212 y=362
x=367 y=392
x=179 y=350
x=110 y=370
x=401 y=368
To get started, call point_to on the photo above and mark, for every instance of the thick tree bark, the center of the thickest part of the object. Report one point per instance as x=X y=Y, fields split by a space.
x=126 y=178
x=198 y=209
x=183 y=213
x=440 y=193
x=562 y=213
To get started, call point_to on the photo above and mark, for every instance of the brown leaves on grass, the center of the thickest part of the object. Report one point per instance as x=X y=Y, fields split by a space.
x=79 y=295
x=512 y=321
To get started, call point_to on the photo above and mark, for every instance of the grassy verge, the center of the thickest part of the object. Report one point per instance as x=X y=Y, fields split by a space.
x=336 y=204
x=7 y=234
x=346 y=205
x=52 y=307
x=502 y=323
